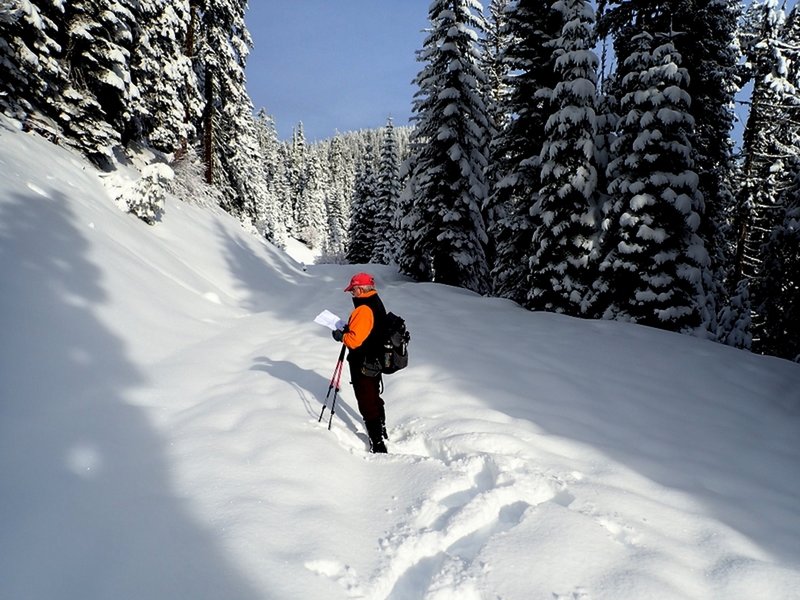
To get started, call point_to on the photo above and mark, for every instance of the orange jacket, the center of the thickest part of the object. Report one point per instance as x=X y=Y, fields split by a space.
x=360 y=324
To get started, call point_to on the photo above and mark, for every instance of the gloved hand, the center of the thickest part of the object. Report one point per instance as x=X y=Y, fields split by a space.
x=337 y=334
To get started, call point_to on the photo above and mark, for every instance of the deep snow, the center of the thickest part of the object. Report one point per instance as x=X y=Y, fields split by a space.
x=160 y=391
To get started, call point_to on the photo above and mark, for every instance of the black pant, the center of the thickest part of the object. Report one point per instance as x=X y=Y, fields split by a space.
x=367 y=390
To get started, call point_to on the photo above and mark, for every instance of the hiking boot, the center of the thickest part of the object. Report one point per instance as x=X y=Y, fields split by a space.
x=374 y=431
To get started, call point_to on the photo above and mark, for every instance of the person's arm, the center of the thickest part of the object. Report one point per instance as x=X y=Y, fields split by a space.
x=359 y=327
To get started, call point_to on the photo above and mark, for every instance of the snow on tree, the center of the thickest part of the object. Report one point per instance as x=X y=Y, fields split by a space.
x=269 y=219
x=362 y=216
x=388 y=191
x=94 y=109
x=147 y=197
x=493 y=45
x=514 y=173
x=565 y=218
x=337 y=205
x=449 y=151
x=779 y=280
x=703 y=33
x=168 y=100
x=770 y=149
x=29 y=57
x=651 y=272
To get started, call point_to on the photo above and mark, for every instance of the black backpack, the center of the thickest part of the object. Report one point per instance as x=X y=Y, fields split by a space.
x=395 y=346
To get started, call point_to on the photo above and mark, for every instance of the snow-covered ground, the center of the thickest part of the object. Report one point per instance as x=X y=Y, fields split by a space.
x=159 y=395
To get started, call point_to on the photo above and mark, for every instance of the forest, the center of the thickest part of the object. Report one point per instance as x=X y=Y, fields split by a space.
x=572 y=156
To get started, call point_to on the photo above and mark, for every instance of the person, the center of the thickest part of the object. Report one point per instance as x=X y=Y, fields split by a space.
x=363 y=337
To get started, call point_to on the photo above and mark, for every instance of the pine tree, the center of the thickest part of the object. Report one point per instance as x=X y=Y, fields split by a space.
x=704 y=36
x=388 y=192
x=94 y=108
x=779 y=279
x=449 y=159
x=167 y=100
x=565 y=218
x=29 y=58
x=493 y=46
x=269 y=219
x=362 y=215
x=514 y=172
x=229 y=133
x=337 y=192
x=651 y=271
x=770 y=157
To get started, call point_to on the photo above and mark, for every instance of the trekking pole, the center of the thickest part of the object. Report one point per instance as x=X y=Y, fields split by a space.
x=334 y=385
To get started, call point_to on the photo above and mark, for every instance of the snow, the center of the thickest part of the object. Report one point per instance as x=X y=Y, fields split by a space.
x=159 y=439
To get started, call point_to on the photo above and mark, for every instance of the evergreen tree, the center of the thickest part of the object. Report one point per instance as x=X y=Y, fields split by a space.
x=312 y=223
x=565 y=218
x=779 y=280
x=336 y=196
x=449 y=152
x=229 y=133
x=167 y=100
x=493 y=45
x=362 y=215
x=651 y=271
x=269 y=219
x=29 y=57
x=514 y=171
x=388 y=192
x=770 y=148
x=297 y=179
x=94 y=108
x=703 y=33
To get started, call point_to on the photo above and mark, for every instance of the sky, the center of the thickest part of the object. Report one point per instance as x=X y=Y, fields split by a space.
x=159 y=427
x=334 y=66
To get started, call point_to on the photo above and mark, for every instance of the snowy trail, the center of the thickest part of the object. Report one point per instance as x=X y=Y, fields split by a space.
x=159 y=439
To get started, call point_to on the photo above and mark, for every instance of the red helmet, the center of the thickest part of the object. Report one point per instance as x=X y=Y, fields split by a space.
x=360 y=279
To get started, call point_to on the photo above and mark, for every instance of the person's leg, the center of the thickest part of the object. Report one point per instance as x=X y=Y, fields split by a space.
x=370 y=405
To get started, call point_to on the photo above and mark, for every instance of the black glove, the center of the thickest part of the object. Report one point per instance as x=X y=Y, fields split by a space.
x=337 y=334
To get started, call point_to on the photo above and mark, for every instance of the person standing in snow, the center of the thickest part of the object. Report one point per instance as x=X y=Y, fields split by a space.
x=363 y=337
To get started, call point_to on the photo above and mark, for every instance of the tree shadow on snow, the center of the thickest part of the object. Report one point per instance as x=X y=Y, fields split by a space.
x=88 y=507
x=729 y=444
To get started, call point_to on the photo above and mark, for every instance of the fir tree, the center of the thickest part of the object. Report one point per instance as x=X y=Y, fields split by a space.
x=269 y=220
x=95 y=106
x=29 y=57
x=770 y=155
x=362 y=214
x=168 y=100
x=651 y=271
x=565 y=219
x=514 y=172
x=449 y=155
x=388 y=192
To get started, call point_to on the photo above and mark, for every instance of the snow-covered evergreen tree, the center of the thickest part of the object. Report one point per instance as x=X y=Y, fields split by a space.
x=388 y=191
x=653 y=258
x=449 y=152
x=167 y=100
x=565 y=217
x=770 y=149
x=494 y=44
x=269 y=220
x=362 y=214
x=514 y=173
x=29 y=57
x=336 y=201
x=94 y=109
x=223 y=44
x=779 y=280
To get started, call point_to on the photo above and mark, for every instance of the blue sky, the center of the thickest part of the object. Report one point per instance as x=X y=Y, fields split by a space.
x=335 y=66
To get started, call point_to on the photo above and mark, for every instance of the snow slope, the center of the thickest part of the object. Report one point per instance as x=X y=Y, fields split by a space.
x=160 y=389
